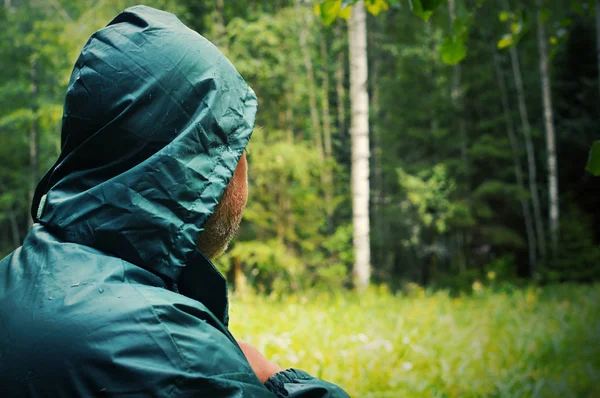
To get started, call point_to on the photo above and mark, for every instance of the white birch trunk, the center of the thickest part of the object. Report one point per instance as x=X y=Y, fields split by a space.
x=359 y=131
x=525 y=126
x=531 y=166
x=549 y=126
x=514 y=146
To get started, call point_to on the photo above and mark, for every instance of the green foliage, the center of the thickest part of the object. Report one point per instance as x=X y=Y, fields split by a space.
x=593 y=164
x=452 y=212
x=330 y=10
x=424 y=8
x=454 y=48
x=496 y=343
x=517 y=26
x=284 y=244
x=578 y=259
x=431 y=196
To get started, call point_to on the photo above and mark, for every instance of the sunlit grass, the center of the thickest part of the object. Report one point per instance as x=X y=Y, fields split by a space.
x=535 y=342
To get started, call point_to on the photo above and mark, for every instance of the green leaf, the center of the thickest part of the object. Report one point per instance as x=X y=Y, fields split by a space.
x=453 y=50
x=505 y=41
x=593 y=165
x=504 y=16
x=375 y=7
x=566 y=23
x=576 y=7
x=328 y=10
x=345 y=13
x=424 y=8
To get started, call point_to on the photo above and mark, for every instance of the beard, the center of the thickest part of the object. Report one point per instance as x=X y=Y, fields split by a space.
x=225 y=221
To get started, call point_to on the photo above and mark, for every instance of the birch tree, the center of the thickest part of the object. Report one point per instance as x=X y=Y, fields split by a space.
x=359 y=131
x=526 y=129
x=549 y=127
x=514 y=146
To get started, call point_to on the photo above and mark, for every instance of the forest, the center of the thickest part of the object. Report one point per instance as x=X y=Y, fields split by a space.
x=438 y=156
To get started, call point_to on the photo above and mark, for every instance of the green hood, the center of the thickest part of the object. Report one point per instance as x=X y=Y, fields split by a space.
x=155 y=121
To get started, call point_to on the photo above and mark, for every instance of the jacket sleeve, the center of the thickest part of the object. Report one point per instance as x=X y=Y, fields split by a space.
x=180 y=349
x=293 y=383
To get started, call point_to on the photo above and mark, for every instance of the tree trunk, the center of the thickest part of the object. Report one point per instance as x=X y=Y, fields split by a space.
x=325 y=99
x=549 y=126
x=312 y=91
x=327 y=134
x=33 y=138
x=532 y=169
x=240 y=280
x=379 y=187
x=289 y=117
x=359 y=131
x=220 y=24
x=514 y=146
x=434 y=124
x=339 y=85
x=458 y=102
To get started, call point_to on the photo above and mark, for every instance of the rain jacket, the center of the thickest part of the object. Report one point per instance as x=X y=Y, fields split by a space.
x=108 y=294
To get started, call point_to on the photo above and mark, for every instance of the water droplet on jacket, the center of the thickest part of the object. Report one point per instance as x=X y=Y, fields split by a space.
x=50 y=298
x=75 y=285
x=101 y=290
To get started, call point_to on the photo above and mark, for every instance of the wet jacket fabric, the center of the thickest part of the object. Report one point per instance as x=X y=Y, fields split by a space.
x=108 y=295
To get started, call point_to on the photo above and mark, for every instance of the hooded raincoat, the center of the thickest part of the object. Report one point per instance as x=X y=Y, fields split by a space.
x=109 y=295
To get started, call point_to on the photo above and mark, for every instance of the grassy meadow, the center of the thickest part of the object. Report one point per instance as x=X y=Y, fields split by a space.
x=532 y=342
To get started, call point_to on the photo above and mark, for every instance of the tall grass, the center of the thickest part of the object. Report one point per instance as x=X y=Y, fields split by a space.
x=534 y=342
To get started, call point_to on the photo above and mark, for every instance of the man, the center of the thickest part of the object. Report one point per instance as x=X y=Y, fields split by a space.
x=113 y=292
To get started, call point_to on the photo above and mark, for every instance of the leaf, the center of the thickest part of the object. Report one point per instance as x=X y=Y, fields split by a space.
x=576 y=7
x=565 y=23
x=545 y=14
x=328 y=10
x=453 y=50
x=593 y=165
x=516 y=27
x=504 y=16
x=345 y=13
x=375 y=7
x=505 y=42
x=424 y=8
x=461 y=25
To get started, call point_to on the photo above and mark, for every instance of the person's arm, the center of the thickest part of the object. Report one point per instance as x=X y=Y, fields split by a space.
x=289 y=383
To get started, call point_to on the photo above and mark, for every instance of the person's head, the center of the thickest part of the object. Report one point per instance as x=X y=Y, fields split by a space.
x=223 y=224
